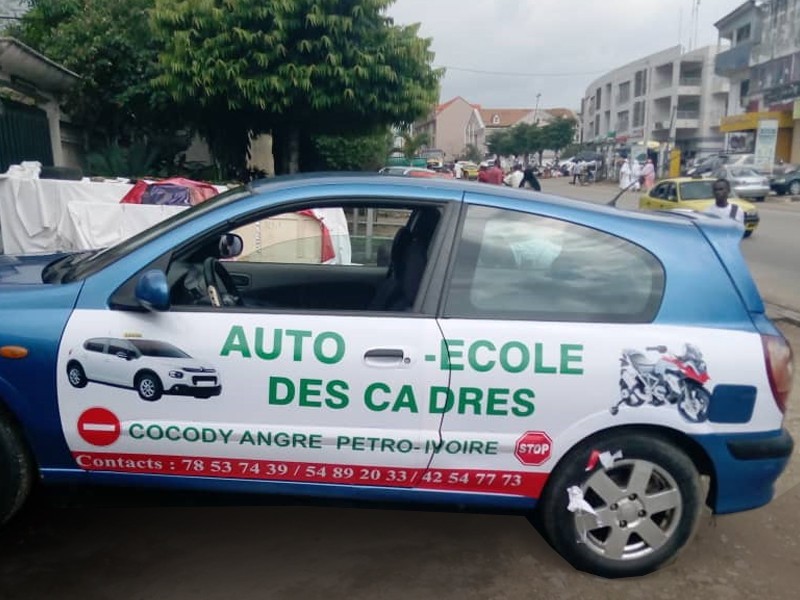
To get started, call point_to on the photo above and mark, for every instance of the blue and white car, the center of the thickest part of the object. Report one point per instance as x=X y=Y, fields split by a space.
x=511 y=350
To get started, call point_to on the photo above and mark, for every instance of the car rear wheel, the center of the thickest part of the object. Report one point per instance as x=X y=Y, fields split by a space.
x=149 y=387
x=630 y=517
x=794 y=188
x=16 y=471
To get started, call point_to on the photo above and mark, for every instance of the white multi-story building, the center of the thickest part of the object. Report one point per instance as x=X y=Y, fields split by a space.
x=761 y=57
x=670 y=97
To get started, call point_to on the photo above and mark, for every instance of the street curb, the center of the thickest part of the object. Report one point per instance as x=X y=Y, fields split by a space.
x=781 y=313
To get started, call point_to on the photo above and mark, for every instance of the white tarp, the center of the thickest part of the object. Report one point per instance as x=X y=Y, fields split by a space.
x=33 y=211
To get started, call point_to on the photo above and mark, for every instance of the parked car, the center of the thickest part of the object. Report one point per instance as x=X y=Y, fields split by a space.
x=151 y=367
x=693 y=193
x=713 y=162
x=518 y=353
x=786 y=180
x=745 y=182
x=469 y=169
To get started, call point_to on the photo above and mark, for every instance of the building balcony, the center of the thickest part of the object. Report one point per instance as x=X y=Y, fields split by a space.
x=733 y=61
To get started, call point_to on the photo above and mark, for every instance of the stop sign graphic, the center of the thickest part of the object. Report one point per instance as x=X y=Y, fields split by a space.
x=533 y=448
x=99 y=427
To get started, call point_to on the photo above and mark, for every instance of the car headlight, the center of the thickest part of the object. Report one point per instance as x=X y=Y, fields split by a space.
x=176 y=374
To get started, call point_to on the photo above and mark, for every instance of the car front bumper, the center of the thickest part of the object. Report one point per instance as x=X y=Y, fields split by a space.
x=746 y=467
x=181 y=389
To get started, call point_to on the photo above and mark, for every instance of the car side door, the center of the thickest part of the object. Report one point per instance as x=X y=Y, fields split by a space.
x=531 y=304
x=313 y=396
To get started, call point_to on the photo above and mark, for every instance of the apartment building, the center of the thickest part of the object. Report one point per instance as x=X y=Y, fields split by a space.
x=760 y=55
x=670 y=97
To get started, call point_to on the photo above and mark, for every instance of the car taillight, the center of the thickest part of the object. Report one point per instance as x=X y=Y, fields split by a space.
x=780 y=368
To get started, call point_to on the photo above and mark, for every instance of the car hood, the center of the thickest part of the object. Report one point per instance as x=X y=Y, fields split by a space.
x=24 y=269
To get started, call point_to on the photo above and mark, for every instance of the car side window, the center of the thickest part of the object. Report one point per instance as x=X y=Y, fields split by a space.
x=657 y=191
x=671 y=192
x=116 y=350
x=93 y=346
x=512 y=265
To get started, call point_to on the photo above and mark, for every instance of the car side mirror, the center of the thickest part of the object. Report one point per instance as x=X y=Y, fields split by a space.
x=230 y=245
x=152 y=291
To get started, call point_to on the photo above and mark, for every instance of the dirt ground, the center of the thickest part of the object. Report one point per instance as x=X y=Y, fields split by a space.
x=98 y=549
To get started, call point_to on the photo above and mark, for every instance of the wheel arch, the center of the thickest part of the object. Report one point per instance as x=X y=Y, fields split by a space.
x=146 y=371
x=696 y=453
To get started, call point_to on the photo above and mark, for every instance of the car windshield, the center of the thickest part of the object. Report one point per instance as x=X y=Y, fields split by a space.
x=742 y=172
x=158 y=349
x=91 y=263
x=697 y=190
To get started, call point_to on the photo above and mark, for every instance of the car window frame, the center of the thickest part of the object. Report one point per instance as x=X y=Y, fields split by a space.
x=428 y=295
x=653 y=307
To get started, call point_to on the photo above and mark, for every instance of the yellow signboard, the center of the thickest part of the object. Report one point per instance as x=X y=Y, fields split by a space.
x=751 y=120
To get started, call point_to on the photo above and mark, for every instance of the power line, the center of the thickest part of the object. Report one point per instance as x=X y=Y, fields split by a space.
x=518 y=74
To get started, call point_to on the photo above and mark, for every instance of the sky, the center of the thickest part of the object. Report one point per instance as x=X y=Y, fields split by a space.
x=555 y=48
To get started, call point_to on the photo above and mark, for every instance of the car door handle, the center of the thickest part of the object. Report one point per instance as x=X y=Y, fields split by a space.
x=241 y=281
x=385 y=357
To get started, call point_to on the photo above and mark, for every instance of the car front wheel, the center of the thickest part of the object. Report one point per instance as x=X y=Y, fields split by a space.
x=794 y=188
x=16 y=470
x=625 y=519
x=149 y=387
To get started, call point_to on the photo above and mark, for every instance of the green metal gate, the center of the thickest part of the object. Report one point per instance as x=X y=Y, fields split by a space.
x=24 y=135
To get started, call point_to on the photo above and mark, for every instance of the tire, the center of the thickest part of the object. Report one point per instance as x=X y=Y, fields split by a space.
x=149 y=387
x=16 y=471
x=794 y=188
x=76 y=375
x=648 y=501
x=694 y=408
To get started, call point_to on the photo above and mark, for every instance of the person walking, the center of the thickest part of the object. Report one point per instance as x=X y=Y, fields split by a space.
x=721 y=207
x=649 y=174
x=529 y=179
x=514 y=179
x=494 y=174
x=625 y=175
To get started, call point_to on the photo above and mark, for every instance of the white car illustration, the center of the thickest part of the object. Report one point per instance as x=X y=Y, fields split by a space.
x=151 y=367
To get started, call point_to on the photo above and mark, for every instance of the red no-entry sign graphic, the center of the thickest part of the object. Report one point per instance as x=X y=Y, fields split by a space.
x=99 y=427
x=533 y=448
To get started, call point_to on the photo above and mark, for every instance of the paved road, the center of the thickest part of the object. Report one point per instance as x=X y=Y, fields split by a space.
x=773 y=252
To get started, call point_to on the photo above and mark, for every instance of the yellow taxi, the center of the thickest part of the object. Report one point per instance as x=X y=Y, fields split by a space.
x=694 y=194
x=470 y=169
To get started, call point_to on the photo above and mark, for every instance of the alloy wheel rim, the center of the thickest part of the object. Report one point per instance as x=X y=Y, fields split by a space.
x=147 y=387
x=74 y=376
x=638 y=506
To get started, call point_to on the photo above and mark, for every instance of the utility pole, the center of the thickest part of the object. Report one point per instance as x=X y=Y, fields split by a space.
x=536 y=110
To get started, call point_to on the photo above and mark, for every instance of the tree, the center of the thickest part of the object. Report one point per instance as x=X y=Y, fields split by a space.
x=559 y=134
x=110 y=45
x=293 y=68
x=471 y=153
x=413 y=143
x=500 y=143
x=352 y=153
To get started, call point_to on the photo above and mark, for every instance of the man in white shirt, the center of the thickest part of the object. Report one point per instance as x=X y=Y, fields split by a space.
x=721 y=207
x=514 y=179
x=459 y=171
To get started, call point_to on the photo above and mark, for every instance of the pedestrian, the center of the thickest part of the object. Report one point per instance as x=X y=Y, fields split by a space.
x=636 y=173
x=494 y=174
x=577 y=167
x=514 y=179
x=721 y=207
x=625 y=176
x=649 y=175
x=529 y=179
x=459 y=170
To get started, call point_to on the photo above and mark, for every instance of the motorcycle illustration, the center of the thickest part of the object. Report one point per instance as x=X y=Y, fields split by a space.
x=669 y=379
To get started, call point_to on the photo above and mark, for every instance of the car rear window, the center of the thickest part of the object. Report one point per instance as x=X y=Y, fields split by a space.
x=512 y=265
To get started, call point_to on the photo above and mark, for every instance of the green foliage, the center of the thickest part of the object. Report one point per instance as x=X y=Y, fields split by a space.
x=412 y=144
x=110 y=45
x=353 y=153
x=526 y=138
x=471 y=153
x=136 y=161
x=295 y=68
